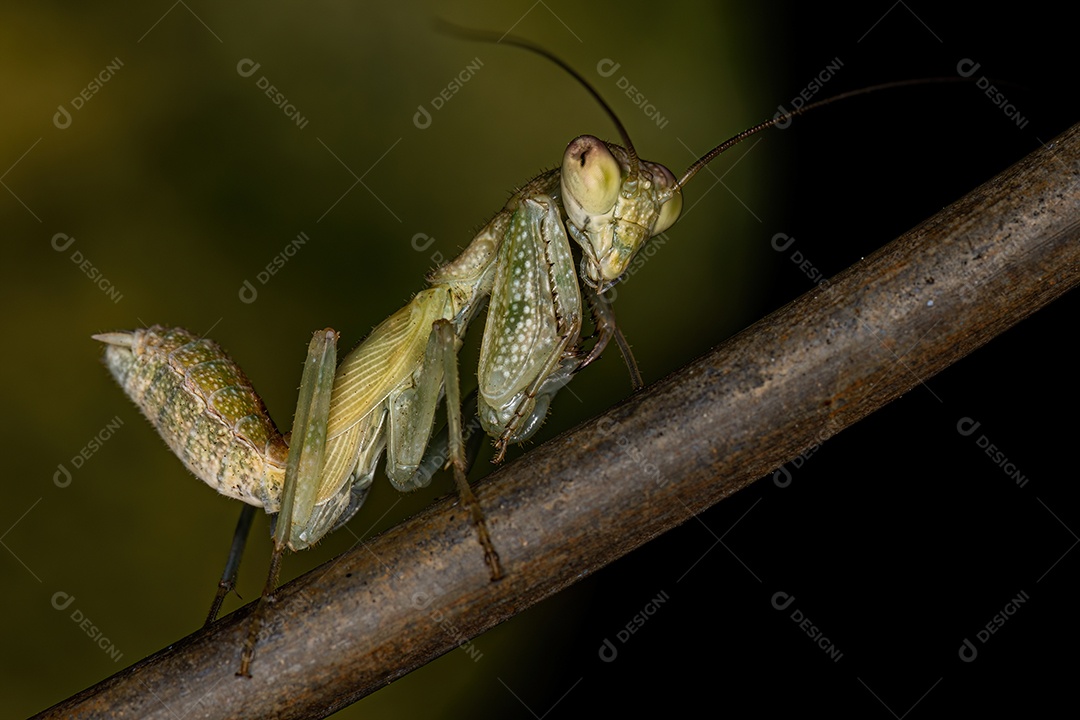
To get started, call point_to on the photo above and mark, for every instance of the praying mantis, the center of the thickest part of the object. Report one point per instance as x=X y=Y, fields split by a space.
x=383 y=397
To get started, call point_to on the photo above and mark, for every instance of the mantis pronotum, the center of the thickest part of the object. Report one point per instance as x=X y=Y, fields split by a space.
x=385 y=393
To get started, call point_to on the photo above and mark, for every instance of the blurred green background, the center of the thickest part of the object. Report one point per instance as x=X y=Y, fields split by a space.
x=179 y=179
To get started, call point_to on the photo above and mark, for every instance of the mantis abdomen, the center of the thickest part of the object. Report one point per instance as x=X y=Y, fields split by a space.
x=205 y=409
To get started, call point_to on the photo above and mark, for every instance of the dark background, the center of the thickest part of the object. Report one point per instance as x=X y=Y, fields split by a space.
x=898 y=538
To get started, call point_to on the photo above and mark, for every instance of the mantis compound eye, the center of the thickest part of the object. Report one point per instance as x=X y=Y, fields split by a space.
x=591 y=178
x=669 y=213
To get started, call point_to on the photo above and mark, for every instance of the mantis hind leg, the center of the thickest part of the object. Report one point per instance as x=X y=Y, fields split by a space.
x=447 y=341
x=232 y=564
x=303 y=472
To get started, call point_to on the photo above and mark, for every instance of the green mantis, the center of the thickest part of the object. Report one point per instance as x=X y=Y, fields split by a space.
x=386 y=391
x=384 y=395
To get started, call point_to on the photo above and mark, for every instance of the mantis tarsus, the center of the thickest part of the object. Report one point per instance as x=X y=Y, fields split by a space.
x=385 y=393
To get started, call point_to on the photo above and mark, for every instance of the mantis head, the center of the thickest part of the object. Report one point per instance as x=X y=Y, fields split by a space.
x=614 y=203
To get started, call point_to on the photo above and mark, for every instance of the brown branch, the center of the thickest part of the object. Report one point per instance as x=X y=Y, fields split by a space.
x=592 y=495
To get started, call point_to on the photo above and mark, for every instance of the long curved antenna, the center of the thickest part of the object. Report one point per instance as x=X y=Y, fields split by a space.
x=497 y=38
x=782 y=118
